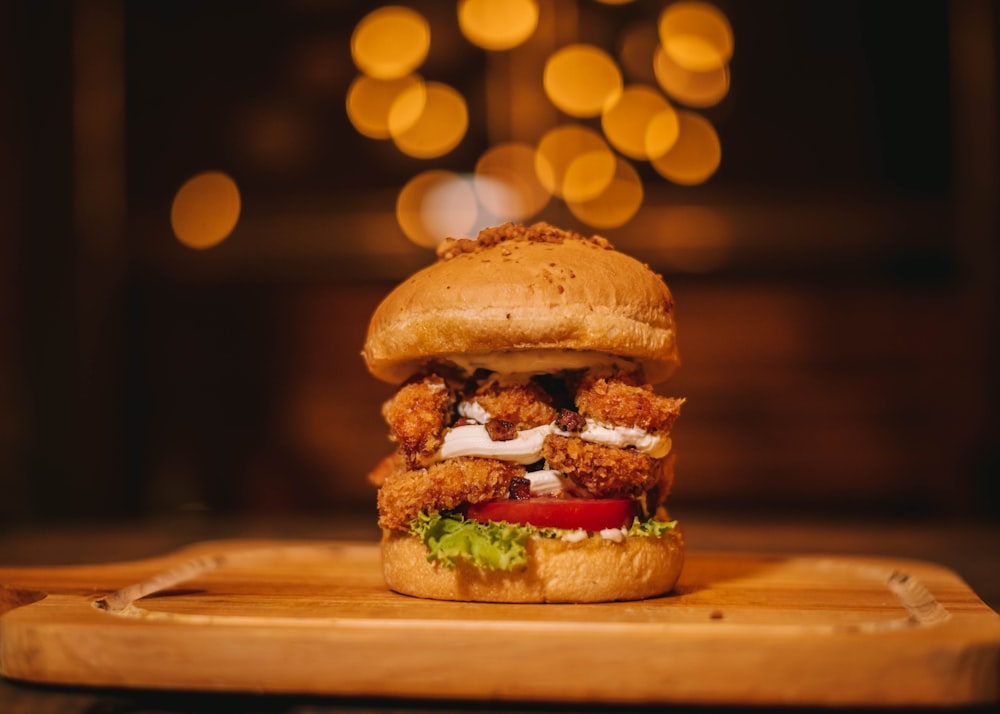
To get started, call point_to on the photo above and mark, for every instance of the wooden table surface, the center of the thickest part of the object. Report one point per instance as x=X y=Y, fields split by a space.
x=972 y=550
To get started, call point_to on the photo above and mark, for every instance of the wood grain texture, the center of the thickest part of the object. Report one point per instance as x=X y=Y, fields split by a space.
x=314 y=617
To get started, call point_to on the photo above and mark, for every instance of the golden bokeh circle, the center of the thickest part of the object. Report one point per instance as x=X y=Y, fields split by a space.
x=434 y=205
x=428 y=121
x=696 y=35
x=369 y=101
x=695 y=156
x=205 y=209
x=574 y=160
x=507 y=184
x=695 y=89
x=641 y=124
x=390 y=42
x=497 y=24
x=581 y=79
x=620 y=200
x=588 y=175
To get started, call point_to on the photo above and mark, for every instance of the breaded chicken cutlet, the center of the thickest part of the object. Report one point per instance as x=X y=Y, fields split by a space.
x=423 y=412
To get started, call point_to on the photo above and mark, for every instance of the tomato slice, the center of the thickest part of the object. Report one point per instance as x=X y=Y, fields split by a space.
x=592 y=514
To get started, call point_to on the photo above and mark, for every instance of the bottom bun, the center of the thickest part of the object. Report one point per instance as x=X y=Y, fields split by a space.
x=592 y=570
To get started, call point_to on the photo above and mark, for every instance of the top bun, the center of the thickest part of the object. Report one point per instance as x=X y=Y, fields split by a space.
x=526 y=299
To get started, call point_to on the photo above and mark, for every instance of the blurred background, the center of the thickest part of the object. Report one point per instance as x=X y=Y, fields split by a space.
x=202 y=203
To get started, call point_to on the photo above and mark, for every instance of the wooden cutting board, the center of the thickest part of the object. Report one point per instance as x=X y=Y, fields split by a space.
x=315 y=618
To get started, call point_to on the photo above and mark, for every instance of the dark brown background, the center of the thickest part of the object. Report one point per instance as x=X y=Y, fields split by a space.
x=839 y=360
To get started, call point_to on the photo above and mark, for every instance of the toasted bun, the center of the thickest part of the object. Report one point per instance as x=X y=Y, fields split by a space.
x=526 y=299
x=592 y=570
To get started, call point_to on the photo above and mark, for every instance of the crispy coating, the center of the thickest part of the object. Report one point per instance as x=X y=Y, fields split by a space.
x=443 y=486
x=524 y=404
x=602 y=471
x=632 y=378
x=422 y=411
x=418 y=414
x=615 y=401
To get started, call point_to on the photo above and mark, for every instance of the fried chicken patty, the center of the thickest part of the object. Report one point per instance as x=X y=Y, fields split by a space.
x=445 y=485
x=420 y=414
x=417 y=415
x=524 y=404
x=602 y=471
x=614 y=401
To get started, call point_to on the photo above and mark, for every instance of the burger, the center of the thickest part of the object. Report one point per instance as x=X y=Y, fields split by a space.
x=533 y=458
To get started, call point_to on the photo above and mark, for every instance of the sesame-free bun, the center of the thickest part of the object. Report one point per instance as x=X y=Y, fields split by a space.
x=526 y=299
x=591 y=570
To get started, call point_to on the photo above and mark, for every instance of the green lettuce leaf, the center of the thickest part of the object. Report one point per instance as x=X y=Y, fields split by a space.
x=650 y=527
x=450 y=537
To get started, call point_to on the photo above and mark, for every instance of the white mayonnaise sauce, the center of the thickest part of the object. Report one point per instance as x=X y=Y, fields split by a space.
x=472 y=440
x=615 y=534
x=472 y=410
x=546 y=482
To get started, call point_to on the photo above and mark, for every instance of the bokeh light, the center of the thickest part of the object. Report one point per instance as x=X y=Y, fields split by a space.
x=695 y=89
x=581 y=80
x=696 y=36
x=497 y=24
x=436 y=204
x=498 y=199
x=406 y=108
x=427 y=121
x=507 y=184
x=682 y=57
x=641 y=124
x=205 y=209
x=696 y=154
x=616 y=204
x=369 y=101
x=575 y=161
x=390 y=42
x=635 y=51
x=588 y=175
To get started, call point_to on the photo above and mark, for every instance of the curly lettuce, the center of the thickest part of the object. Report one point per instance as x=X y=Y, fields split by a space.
x=450 y=538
